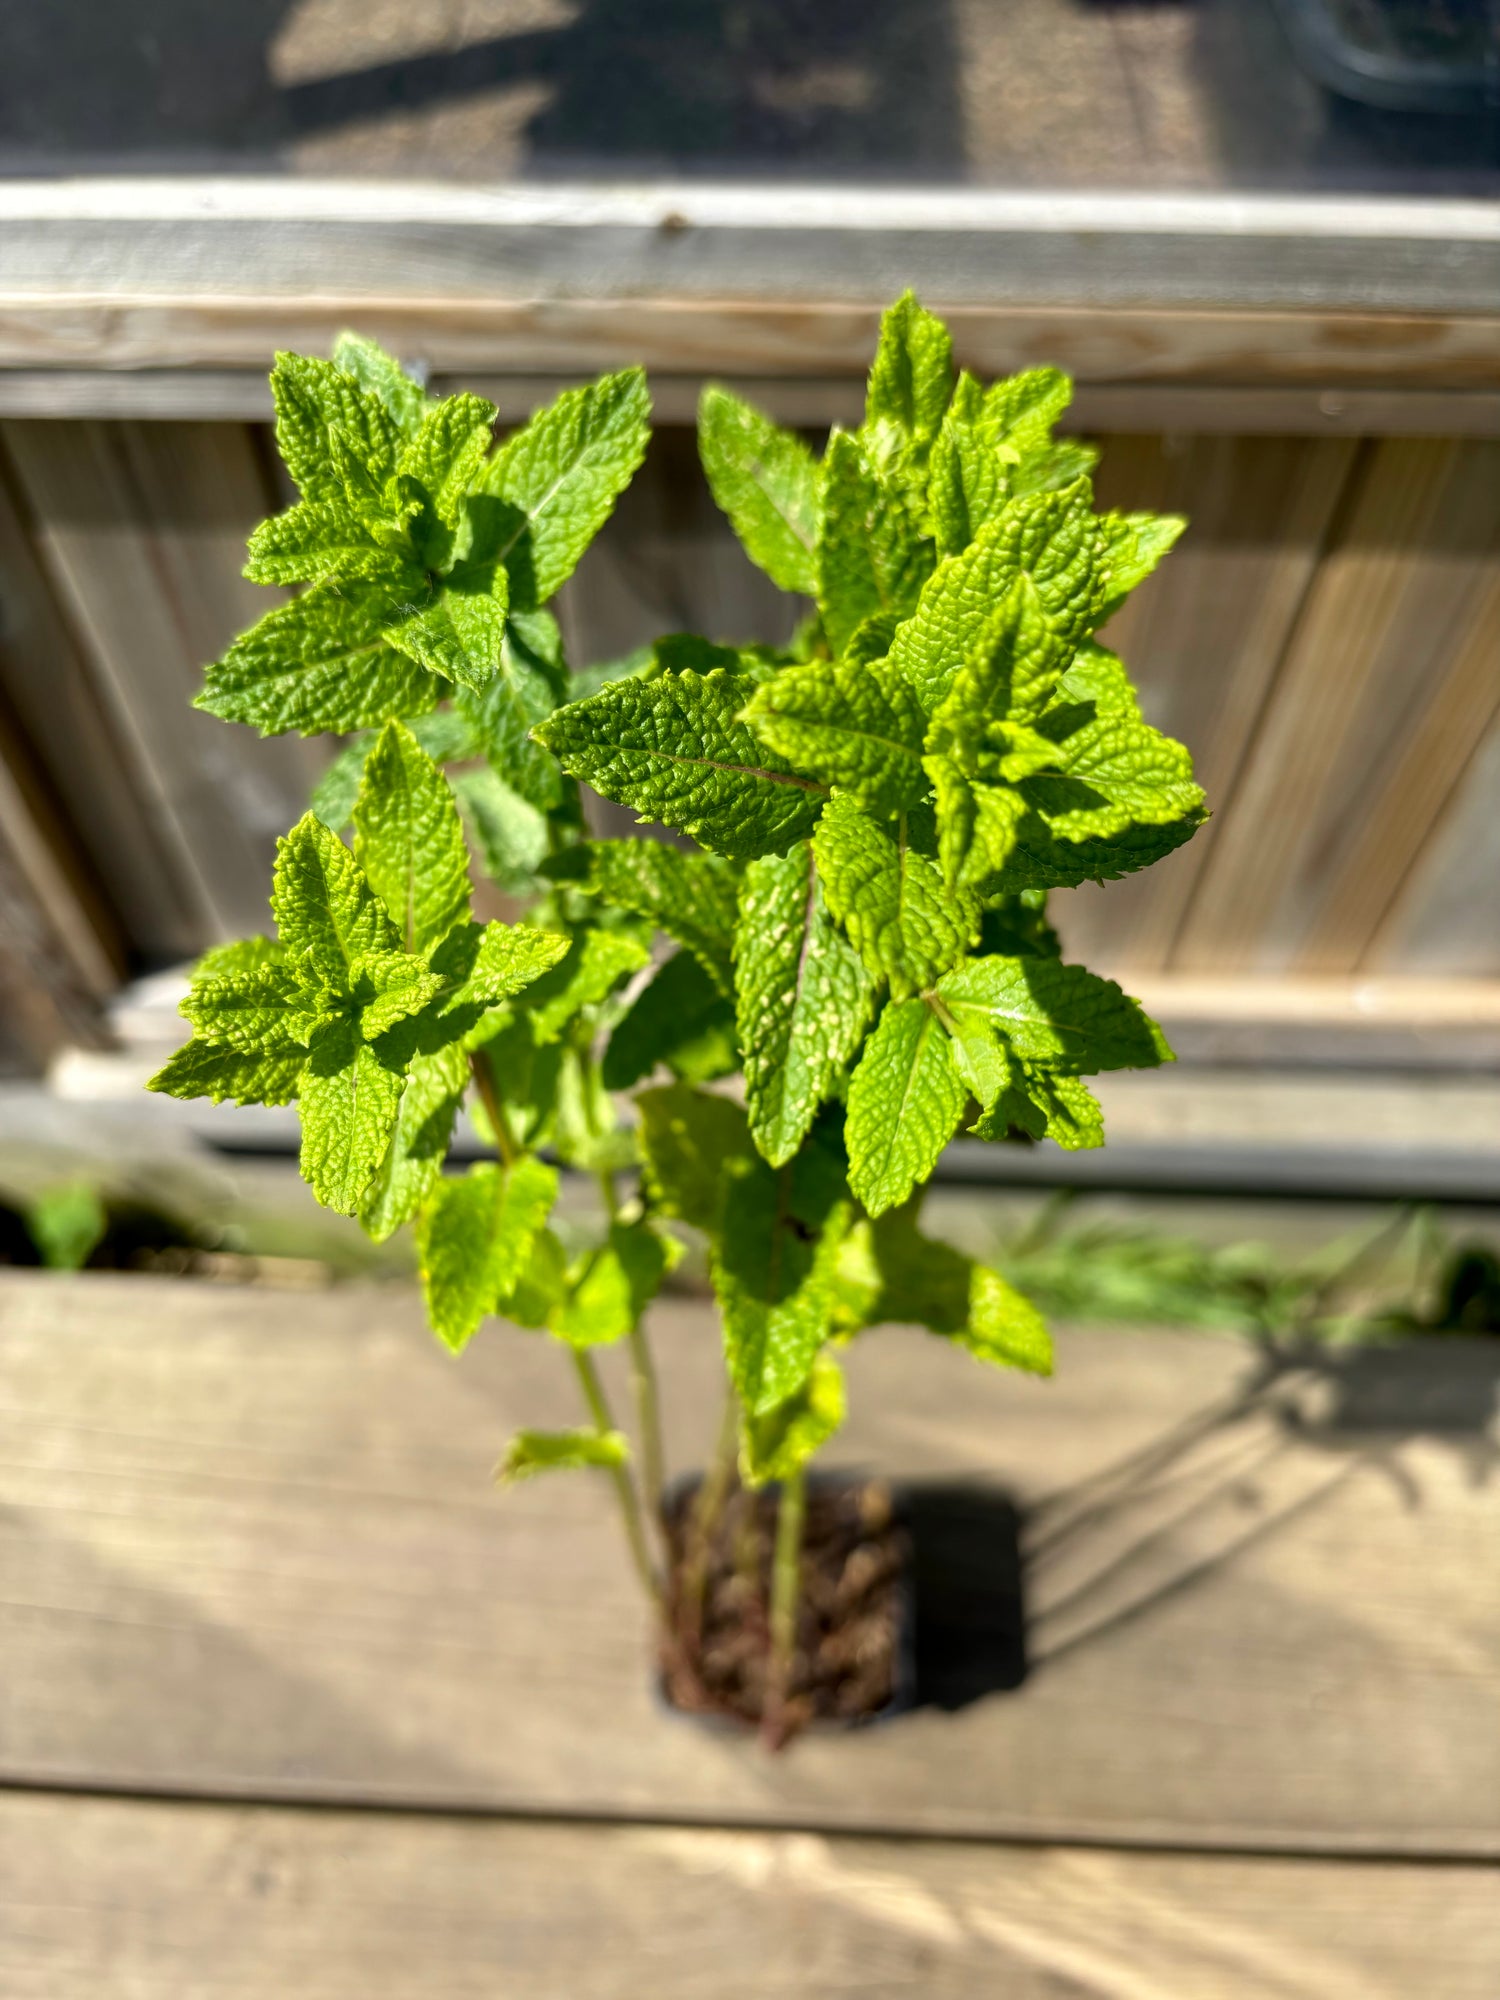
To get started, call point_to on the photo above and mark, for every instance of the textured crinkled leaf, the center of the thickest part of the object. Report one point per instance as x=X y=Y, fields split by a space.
x=510 y=958
x=1011 y=665
x=902 y=919
x=854 y=725
x=1115 y=772
x=510 y=835
x=243 y=1076
x=542 y=1285
x=773 y=1268
x=380 y=374
x=1021 y=410
x=911 y=380
x=689 y=896
x=265 y=1009
x=349 y=1099
x=326 y=914
x=679 y=1020
x=978 y=824
x=390 y=987
x=319 y=540
x=688 y=1140
x=550 y=487
x=1049 y=471
x=675 y=750
x=533 y=1452
x=871 y=554
x=1133 y=545
x=907 y=1279
x=672 y=653
x=1052 y=538
x=1042 y=1102
x=251 y=954
x=802 y=1000
x=413 y=1161
x=328 y=426
x=458 y=630
x=408 y=840
x=502 y=714
x=446 y=452
x=1040 y=860
x=968 y=482
x=766 y=481
x=323 y=662
x=474 y=1242
x=776 y=1445
x=612 y=1286
x=905 y=1101
x=594 y=965
x=1059 y=1014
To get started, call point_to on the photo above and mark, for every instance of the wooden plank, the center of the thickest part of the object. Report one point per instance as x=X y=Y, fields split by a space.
x=460 y=335
x=1445 y=918
x=235 y=235
x=1205 y=635
x=1390 y=678
x=142 y=528
x=255 y=1552
x=156 y=1901
x=47 y=683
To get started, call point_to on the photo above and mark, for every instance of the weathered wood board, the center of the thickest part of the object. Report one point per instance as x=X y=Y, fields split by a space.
x=159 y=1901
x=251 y=1549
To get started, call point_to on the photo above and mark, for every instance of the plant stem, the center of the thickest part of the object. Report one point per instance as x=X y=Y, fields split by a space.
x=630 y=1506
x=647 y=1398
x=505 y=1140
x=707 y=1515
x=786 y=1578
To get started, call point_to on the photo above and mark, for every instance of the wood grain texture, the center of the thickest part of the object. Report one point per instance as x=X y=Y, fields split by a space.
x=1390 y=679
x=1445 y=918
x=1204 y=637
x=158 y=1901
x=252 y=1548
x=142 y=530
x=458 y=334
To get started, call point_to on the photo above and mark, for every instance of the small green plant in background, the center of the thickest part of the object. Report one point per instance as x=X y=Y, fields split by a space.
x=67 y=1223
x=857 y=929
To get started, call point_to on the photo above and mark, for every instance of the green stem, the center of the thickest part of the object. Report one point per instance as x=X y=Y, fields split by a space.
x=707 y=1515
x=647 y=1397
x=484 y=1077
x=786 y=1578
x=630 y=1506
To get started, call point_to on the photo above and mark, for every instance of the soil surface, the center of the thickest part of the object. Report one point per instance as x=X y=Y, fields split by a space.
x=852 y=1621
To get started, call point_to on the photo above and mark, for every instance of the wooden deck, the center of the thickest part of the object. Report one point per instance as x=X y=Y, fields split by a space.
x=292 y=1701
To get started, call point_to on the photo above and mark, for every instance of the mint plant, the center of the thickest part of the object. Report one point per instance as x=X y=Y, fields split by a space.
x=858 y=930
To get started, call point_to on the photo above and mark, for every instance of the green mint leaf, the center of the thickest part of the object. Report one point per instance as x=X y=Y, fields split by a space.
x=413 y=1162
x=611 y=1287
x=444 y=455
x=1133 y=545
x=1114 y=773
x=326 y=914
x=380 y=374
x=594 y=964
x=533 y=1452
x=409 y=842
x=871 y=555
x=691 y=897
x=502 y=714
x=1041 y=860
x=676 y=751
x=969 y=481
x=1058 y=466
x=390 y=987
x=265 y=1009
x=1021 y=410
x=776 y=1445
x=905 y=1101
x=318 y=541
x=348 y=1098
x=911 y=381
x=978 y=824
x=1058 y=1014
x=688 y=1139
x=551 y=487
x=854 y=725
x=474 y=1242
x=802 y=1000
x=902 y=919
x=506 y=959
x=329 y=430
x=244 y=1076
x=681 y=1021
x=251 y=954
x=908 y=1279
x=322 y=662
x=510 y=836
x=458 y=629
x=773 y=1267
x=1052 y=538
x=541 y=1287
x=765 y=479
